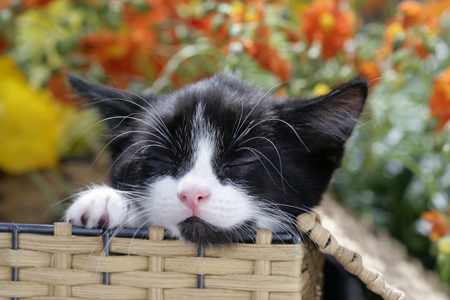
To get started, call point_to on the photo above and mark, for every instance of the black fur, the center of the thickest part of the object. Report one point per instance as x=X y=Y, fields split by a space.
x=309 y=135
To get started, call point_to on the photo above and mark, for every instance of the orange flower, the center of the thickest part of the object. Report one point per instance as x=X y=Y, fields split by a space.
x=440 y=98
x=374 y=7
x=416 y=13
x=369 y=69
x=57 y=84
x=434 y=10
x=420 y=47
x=251 y=11
x=325 y=22
x=119 y=52
x=424 y=19
x=411 y=12
x=114 y=51
x=281 y=92
x=269 y=59
x=140 y=24
x=440 y=224
x=397 y=35
x=25 y=3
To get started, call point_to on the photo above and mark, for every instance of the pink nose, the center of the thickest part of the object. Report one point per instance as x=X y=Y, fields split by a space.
x=193 y=196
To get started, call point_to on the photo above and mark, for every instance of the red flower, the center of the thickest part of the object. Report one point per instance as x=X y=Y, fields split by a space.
x=324 y=21
x=440 y=98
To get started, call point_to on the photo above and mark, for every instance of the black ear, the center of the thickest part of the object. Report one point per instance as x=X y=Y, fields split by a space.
x=116 y=106
x=325 y=123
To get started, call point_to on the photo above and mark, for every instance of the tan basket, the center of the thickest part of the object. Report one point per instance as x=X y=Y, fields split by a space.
x=64 y=266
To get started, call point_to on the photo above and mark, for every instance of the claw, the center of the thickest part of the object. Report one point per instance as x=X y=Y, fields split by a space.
x=84 y=218
x=103 y=222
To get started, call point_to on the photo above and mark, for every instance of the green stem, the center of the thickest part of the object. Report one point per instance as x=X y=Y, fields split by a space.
x=47 y=191
x=61 y=180
x=173 y=64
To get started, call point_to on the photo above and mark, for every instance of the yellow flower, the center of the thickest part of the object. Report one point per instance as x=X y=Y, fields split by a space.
x=327 y=22
x=321 y=89
x=394 y=29
x=444 y=245
x=238 y=7
x=30 y=123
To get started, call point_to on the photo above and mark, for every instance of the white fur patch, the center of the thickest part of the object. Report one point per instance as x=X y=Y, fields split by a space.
x=227 y=205
x=102 y=203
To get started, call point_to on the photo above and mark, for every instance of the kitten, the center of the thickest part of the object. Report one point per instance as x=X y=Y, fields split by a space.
x=217 y=159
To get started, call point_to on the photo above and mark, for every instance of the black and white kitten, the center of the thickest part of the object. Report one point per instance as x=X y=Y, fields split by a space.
x=217 y=159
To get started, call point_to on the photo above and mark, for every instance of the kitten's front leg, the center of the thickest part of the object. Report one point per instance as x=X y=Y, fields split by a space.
x=102 y=207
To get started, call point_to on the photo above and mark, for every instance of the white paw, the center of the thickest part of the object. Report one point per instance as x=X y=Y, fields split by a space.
x=101 y=207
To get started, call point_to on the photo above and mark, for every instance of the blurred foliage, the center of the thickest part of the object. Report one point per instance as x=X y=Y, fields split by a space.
x=397 y=164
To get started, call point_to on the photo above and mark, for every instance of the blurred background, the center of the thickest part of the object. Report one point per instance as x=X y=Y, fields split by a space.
x=396 y=175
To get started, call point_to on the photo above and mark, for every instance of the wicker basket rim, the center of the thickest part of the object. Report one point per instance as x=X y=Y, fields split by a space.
x=325 y=242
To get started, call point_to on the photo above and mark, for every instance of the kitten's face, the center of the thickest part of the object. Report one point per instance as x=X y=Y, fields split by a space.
x=215 y=160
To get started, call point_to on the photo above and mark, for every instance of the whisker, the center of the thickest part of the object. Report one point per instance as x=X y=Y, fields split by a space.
x=149 y=104
x=121 y=154
x=278 y=153
x=257 y=103
x=254 y=151
x=116 y=137
x=158 y=119
x=278 y=120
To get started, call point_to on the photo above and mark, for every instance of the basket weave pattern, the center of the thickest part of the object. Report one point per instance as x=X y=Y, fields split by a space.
x=350 y=260
x=64 y=266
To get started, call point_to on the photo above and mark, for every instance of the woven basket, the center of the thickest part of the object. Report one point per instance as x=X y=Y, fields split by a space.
x=66 y=265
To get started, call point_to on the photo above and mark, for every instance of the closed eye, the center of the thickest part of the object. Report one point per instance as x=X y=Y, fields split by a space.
x=240 y=163
x=165 y=160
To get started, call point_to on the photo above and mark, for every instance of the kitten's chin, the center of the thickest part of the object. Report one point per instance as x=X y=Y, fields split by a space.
x=198 y=231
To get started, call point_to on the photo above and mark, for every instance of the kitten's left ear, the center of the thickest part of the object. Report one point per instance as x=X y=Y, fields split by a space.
x=114 y=105
x=326 y=122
